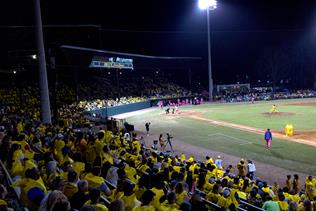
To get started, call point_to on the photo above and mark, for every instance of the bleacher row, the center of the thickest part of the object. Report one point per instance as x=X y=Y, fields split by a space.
x=53 y=168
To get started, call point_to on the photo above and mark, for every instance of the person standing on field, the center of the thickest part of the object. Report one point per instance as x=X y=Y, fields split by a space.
x=251 y=169
x=147 y=127
x=268 y=138
x=218 y=162
x=241 y=168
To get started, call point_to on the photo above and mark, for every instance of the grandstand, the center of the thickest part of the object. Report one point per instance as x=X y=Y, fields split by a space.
x=134 y=131
x=119 y=169
x=79 y=163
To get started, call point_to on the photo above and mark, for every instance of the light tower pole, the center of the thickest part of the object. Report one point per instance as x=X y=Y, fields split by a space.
x=43 y=84
x=209 y=5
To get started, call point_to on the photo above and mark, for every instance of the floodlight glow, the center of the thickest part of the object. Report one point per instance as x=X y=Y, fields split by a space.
x=207 y=4
x=34 y=56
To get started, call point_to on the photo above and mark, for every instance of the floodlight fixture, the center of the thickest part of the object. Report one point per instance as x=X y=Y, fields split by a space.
x=207 y=4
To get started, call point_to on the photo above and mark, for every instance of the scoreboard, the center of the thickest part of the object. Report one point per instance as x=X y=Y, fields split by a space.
x=111 y=62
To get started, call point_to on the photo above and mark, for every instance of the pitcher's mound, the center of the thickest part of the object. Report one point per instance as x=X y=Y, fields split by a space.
x=278 y=114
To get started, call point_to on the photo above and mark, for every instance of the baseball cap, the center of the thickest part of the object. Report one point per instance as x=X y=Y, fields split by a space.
x=226 y=192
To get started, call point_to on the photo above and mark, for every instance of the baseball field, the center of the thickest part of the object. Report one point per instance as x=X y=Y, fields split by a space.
x=235 y=130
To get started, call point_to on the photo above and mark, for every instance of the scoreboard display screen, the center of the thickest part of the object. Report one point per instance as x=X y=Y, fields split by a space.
x=111 y=62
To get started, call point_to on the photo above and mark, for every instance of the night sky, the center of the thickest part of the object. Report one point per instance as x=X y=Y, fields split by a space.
x=243 y=31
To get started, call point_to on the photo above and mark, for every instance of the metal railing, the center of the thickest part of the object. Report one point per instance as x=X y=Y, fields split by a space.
x=9 y=181
x=247 y=206
x=250 y=206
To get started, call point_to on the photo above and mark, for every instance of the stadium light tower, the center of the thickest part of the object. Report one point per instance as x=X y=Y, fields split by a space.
x=209 y=5
x=43 y=84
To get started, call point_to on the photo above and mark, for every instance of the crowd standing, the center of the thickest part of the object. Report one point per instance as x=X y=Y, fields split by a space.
x=58 y=168
x=255 y=96
x=62 y=166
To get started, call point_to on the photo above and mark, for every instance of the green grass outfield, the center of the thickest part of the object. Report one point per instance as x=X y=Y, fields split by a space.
x=285 y=154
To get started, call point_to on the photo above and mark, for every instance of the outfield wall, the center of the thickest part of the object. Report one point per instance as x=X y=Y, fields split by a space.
x=115 y=110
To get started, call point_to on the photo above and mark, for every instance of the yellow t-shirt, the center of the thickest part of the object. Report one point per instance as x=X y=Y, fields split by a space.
x=108 y=136
x=283 y=205
x=98 y=207
x=107 y=157
x=182 y=157
x=213 y=197
x=78 y=167
x=139 y=191
x=136 y=145
x=169 y=207
x=158 y=194
x=130 y=202
x=224 y=202
x=3 y=203
x=209 y=161
x=131 y=173
x=94 y=181
x=143 y=208
x=180 y=197
x=70 y=189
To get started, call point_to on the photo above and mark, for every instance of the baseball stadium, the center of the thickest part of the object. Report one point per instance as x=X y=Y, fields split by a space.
x=237 y=130
x=207 y=105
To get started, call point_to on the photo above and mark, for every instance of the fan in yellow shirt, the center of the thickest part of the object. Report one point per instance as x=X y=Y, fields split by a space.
x=170 y=204
x=107 y=136
x=96 y=181
x=225 y=201
x=214 y=195
x=78 y=165
x=208 y=160
x=65 y=156
x=91 y=152
x=20 y=126
x=129 y=197
x=131 y=172
x=27 y=164
x=146 y=200
x=282 y=203
x=182 y=157
x=71 y=185
x=94 y=195
x=106 y=156
x=136 y=146
x=158 y=191
x=14 y=164
x=180 y=193
x=99 y=143
x=33 y=189
x=202 y=184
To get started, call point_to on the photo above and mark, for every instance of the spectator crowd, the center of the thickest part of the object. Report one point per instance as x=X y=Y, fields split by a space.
x=73 y=165
x=58 y=168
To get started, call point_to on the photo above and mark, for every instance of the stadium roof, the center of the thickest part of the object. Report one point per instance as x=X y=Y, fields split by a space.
x=127 y=54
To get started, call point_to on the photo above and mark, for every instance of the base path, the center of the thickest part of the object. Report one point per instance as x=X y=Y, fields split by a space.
x=253 y=130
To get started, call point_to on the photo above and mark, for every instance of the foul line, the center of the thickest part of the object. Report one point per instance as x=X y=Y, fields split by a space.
x=253 y=130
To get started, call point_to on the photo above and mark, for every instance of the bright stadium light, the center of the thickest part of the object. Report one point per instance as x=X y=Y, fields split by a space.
x=207 y=4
